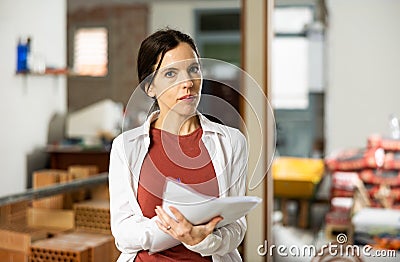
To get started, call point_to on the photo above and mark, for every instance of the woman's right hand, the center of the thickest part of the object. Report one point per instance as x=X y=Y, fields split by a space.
x=181 y=229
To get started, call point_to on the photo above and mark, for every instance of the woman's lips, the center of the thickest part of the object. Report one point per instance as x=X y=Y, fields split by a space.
x=187 y=97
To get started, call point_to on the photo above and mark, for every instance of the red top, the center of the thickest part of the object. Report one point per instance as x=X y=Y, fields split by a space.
x=184 y=158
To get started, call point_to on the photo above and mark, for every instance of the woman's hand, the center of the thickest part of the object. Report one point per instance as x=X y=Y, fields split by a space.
x=183 y=230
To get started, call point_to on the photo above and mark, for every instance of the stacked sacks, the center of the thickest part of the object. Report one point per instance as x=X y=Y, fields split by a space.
x=384 y=183
x=372 y=173
x=338 y=219
x=345 y=167
x=377 y=167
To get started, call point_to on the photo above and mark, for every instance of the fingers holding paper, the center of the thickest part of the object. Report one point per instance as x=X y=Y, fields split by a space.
x=181 y=229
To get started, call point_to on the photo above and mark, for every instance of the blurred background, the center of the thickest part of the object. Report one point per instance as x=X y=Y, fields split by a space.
x=330 y=70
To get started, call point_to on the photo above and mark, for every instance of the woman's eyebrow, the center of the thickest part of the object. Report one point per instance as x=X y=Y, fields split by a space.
x=177 y=69
x=195 y=63
x=168 y=69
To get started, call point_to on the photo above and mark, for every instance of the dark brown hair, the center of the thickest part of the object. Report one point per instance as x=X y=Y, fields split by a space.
x=155 y=45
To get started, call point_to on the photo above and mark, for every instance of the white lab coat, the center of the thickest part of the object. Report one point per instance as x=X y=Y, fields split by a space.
x=227 y=148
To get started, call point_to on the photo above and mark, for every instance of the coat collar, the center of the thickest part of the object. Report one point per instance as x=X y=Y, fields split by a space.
x=144 y=130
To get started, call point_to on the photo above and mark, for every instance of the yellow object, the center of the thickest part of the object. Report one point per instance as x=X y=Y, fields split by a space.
x=296 y=177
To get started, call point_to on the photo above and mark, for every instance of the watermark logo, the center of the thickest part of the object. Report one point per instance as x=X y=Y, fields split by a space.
x=341 y=238
x=340 y=248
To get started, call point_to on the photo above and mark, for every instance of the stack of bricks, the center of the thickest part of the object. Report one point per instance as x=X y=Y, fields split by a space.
x=50 y=177
x=83 y=171
x=14 y=213
x=79 y=172
x=16 y=239
x=75 y=247
x=93 y=215
x=38 y=233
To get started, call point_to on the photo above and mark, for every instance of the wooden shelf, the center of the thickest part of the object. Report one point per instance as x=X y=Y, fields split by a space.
x=60 y=71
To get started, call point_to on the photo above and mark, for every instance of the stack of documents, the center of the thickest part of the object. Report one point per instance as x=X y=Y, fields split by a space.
x=199 y=209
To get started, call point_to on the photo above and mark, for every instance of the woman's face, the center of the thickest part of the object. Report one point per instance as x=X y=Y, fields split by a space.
x=177 y=84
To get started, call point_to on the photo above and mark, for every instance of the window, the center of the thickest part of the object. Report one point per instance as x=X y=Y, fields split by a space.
x=292 y=20
x=219 y=21
x=218 y=34
x=290 y=73
x=91 y=51
x=290 y=57
x=298 y=79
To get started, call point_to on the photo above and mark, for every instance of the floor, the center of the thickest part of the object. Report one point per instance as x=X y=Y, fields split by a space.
x=291 y=236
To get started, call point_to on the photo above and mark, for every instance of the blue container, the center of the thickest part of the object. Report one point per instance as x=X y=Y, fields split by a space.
x=22 y=57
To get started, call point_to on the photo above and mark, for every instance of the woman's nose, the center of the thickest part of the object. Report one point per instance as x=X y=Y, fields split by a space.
x=188 y=83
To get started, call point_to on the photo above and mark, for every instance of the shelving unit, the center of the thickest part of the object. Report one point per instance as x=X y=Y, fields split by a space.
x=29 y=233
x=55 y=72
x=32 y=194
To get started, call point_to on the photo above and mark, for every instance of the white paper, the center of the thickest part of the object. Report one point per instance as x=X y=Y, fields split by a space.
x=199 y=209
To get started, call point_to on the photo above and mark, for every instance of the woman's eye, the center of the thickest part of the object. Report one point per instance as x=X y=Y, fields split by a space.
x=170 y=74
x=194 y=69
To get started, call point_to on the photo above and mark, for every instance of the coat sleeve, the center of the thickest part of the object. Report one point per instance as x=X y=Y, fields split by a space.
x=131 y=230
x=227 y=238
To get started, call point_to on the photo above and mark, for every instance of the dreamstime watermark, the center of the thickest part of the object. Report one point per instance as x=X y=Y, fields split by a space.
x=339 y=249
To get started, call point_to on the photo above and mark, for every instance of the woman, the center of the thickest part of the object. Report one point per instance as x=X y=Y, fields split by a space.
x=175 y=141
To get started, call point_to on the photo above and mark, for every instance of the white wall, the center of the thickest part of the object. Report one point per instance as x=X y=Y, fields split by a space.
x=363 y=70
x=28 y=102
x=180 y=14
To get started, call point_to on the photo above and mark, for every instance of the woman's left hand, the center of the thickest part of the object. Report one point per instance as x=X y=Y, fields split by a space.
x=183 y=230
